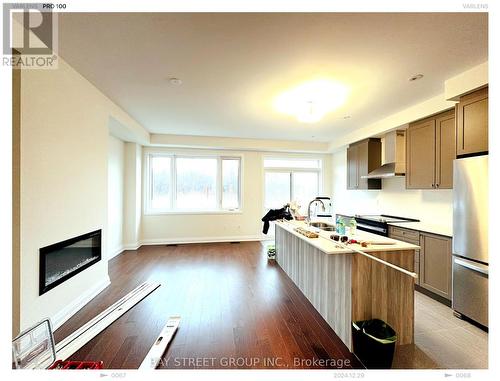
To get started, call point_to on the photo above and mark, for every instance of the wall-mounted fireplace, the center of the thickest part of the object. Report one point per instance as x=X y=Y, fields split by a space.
x=63 y=260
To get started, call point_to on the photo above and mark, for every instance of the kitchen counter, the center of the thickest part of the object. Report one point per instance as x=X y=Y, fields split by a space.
x=426 y=227
x=345 y=286
x=328 y=246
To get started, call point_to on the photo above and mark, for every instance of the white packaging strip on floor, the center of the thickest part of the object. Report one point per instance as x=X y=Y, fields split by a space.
x=156 y=352
x=66 y=347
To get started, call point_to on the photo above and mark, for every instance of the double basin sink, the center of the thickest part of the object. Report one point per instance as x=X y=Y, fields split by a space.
x=323 y=226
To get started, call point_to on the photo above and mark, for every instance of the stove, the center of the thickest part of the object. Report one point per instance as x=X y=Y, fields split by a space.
x=379 y=224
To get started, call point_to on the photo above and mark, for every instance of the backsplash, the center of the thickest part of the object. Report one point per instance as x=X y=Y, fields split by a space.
x=432 y=206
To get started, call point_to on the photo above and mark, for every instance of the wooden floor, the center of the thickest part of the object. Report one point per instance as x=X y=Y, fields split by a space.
x=237 y=311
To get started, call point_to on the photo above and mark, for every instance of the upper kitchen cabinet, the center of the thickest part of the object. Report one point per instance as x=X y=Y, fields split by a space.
x=445 y=149
x=430 y=150
x=472 y=123
x=362 y=158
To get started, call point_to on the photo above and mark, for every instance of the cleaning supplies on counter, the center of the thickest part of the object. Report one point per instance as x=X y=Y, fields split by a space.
x=340 y=225
x=352 y=226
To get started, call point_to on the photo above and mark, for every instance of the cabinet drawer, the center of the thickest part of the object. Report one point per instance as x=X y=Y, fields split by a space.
x=406 y=235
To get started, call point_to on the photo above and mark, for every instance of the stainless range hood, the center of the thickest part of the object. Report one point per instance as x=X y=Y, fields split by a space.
x=394 y=157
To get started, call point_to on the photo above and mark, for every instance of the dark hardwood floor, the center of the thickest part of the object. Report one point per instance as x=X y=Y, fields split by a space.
x=237 y=311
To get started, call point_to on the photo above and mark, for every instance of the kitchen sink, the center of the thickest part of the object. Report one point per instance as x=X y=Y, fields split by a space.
x=328 y=228
x=323 y=226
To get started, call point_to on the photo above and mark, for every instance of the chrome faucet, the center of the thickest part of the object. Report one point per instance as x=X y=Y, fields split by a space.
x=309 y=209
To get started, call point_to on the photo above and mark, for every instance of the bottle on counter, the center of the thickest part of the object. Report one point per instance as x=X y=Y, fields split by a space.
x=352 y=226
x=340 y=225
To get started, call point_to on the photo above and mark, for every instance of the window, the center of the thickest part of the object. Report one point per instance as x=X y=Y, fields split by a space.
x=192 y=183
x=278 y=189
x=161 y=182
x=196 y=183
x=291 y=180
x=230 y=183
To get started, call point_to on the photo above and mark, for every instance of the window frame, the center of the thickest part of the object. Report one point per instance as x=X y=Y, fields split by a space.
x=148 y=184
x=291 y=170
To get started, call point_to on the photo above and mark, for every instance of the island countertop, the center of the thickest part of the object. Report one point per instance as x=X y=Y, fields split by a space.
x=345 y=286
x=328 y=246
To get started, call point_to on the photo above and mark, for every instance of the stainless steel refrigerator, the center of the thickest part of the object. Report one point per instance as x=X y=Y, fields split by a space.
x=470 y=238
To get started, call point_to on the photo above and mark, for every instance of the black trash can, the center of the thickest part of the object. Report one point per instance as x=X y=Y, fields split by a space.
x=373 y=343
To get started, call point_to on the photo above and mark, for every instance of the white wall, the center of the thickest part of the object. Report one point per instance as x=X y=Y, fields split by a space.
x=133 y=198
x=216 y=227
x=116 y=183
x=430 y=206
x=64 y=177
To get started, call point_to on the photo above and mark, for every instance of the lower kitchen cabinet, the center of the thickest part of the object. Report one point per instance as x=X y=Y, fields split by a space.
x=410 y=236
x=432 y=261
x=435 y=264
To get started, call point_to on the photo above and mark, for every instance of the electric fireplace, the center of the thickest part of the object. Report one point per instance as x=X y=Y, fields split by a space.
x=63 y=260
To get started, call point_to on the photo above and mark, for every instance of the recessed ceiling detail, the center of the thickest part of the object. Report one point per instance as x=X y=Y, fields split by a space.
x=233 y=66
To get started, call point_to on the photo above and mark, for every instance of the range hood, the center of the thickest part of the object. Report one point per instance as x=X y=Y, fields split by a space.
x=394 y=157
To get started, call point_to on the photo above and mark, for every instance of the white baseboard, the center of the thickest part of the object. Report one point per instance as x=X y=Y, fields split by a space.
x=121 y=249
x=131 y=246
x=173 y=241
x=115 y=252
x=62 y=316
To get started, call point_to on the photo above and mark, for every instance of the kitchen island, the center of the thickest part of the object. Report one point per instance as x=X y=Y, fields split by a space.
x=345 y=286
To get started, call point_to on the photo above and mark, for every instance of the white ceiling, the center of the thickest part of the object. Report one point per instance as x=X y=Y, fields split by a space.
x=233 y=64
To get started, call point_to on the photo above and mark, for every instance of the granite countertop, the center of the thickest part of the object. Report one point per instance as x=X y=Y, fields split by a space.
x=328 y=246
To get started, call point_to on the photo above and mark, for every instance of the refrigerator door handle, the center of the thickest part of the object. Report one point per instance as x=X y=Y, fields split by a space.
x=472 y=265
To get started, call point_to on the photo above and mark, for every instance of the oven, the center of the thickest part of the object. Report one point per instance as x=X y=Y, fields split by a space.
x=379 y=224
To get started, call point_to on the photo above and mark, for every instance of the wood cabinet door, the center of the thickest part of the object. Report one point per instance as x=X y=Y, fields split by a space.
x=362 y=162
x=420 y=155
x=445 y=150
x=435 y=264
x=352 y=167
x=472 y=123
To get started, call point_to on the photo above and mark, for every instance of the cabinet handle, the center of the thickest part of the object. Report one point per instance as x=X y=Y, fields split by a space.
x=437 y=185
x=432 y=185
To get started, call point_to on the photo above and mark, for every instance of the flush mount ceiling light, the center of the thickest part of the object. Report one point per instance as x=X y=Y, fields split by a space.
x=311 y=101
x=416 y=77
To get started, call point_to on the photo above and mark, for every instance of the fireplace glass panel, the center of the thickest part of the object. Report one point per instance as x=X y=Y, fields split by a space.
x=63 y=260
